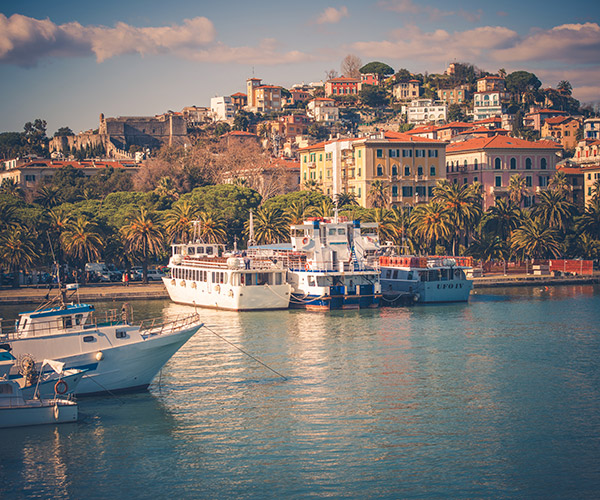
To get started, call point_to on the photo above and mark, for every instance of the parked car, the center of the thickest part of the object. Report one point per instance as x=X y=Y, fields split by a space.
x=155 y=275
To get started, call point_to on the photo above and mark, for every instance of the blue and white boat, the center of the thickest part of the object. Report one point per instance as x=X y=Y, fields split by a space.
x=116 y=355
x=332 y=264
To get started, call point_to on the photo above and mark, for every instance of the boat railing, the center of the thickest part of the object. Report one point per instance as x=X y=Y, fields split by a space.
x=161 y=326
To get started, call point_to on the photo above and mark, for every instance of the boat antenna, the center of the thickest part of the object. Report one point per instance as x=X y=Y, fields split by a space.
x=62 y=292
x=251 y=229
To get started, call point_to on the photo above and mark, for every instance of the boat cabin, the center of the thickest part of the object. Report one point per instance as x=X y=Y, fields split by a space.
x=53 y=321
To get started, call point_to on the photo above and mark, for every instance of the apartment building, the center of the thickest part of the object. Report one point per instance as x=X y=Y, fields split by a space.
x=222 y=108
x=323 y=110
x=407 y=90
x=563 y=129
x=421 y=111
x=408 y=166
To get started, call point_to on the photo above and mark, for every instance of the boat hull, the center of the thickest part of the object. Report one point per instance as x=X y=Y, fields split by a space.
x=453 y=290
x=111 y=367
x=230 y=298
x=39 y=412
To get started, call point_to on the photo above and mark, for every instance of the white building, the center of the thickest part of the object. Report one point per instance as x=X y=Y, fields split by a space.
x=420 y=111
x=488 y=104
x=591 y=128
x=323 y=110
x=222 y=108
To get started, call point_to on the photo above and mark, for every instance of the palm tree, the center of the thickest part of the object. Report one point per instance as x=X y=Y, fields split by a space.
x=178 y=221
x=213 y=227
x=388 y=228
x=554 y=210
x=502 y=218
x=81 y=241
x=166 y=188
x=325 y=209
x=463 y=206
x=312 y=185
x=535 y=240
x=343 y=200
x=588 y=247
x=378 y=194
x=517 y=189
x=430 y=224
x=589 y=222
x=59 y=220
x=298 y=212
x=48 y=196
x=596 y=189
x=560 y=183
x=143 y=237
x=11 y=187
x=17 y=250
x=271 y=225
x=487 y=247
x=8 y=216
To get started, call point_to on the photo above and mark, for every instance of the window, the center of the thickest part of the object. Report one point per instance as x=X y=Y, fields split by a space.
x=30 y=178
x=543 y=163
x=419 y=170
x=394 y=170
x=359 y=153
x=497 y=164
x=498 y=181
x=528 y=181
x=464 y=180
x=407 y=153
x=527 y=163
x=406 y=170
x=466 y=165
x=379 y=170
x=321 y=157
x=380 y=153
x=67 y=322
x=432 y=171
x=475 y=179
x=432 y=153
x=475 y=164
x=394 y=191
x=543 y=180
x=392 y=153
x=421 y=190
x=513 y=163
x=407 y=191
x=430 y=191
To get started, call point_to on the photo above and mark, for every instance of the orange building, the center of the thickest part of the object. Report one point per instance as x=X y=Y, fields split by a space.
x=563 y=129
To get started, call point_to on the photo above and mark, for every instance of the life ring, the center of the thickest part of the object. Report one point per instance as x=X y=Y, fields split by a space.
x=61 y=387
x=305 y=241
x=307 y=267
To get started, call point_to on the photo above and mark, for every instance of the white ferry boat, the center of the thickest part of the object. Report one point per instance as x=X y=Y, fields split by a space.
x=426 y=279
x=203 y=275
x=116 y=355
x=331 y=264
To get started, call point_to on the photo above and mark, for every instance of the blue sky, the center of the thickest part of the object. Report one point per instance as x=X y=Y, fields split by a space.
x=69 y=61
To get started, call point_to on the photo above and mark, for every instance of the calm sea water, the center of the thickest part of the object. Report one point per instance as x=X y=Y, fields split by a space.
x=498 y=398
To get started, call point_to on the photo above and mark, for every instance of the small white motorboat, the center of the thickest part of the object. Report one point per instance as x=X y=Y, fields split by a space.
x=16 y=411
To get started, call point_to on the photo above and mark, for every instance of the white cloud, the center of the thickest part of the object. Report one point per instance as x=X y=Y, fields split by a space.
x=332 y=15
x=570 y=43
x=24 y=41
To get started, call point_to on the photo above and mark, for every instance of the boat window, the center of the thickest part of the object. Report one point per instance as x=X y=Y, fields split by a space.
x=311 y=280
x=395 y=274
x=278 y=279
x=67 y=322
x=89 y=338
x=247 y=279
x=262 y=279
x=209 y=250
x=224 y=278
x=191 y=251
x=200 y=250
x=341 y=231
x=6 y=389
x=120 y=334
x=331 y=231
x=410 y=276
x=78 y=319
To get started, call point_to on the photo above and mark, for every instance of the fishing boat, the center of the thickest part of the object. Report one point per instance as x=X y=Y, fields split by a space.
x=116 y=354
x=332 y=263
x=205 y=275
x=17 y=411
x=425 y=279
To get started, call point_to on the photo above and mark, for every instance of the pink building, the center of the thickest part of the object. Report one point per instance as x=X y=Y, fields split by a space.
x=343 y=86
x=493 y=160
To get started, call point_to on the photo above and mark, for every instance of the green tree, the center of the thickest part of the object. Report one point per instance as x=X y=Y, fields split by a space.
x=63 y=132
x=82 y=241
x=535 y=240
x=517 y=189
x=463 y=207
x=554 y=210
x=487 y=247
x=431 y=224
x=48 y=196
x=387 y=221
x=222 y=128
x=34 y=135
x=403 y=75
x=271 y=225
x=455 y=113
x=213 y=226
x=18 y=250
x=143 y=237
x=378 y=68
x=377 y=194
x=589 y=222
x=343 y=200
x=11 y=187
x=298 y=211
x=565 y=87
x=501 y=219
x=520 y=82
x=373 y=96
x=179 y=221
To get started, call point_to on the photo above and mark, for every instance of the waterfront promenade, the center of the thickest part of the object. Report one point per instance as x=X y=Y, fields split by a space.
x=116 y=291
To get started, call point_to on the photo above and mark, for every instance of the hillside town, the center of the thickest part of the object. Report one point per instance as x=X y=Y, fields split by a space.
x=371 y=139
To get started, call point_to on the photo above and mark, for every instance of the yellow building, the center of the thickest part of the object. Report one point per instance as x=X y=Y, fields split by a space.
x=409 y=167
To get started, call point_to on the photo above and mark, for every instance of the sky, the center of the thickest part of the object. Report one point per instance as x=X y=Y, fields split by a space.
x=68 y=61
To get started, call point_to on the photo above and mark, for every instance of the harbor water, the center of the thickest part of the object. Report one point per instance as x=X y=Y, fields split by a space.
x=497 y=398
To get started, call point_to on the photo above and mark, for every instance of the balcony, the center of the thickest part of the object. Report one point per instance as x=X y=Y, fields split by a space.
x=348 y=162
x=311 y=164
x=497 y=190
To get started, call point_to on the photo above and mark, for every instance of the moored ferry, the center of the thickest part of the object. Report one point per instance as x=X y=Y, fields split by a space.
x=331 y=264
x=426 y=279
x=204 y=275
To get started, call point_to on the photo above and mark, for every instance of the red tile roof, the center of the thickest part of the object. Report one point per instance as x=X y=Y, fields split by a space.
x=401 y=136
x=239 y=94
x=344 y=79
x=499 y=142
x=557 y=120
